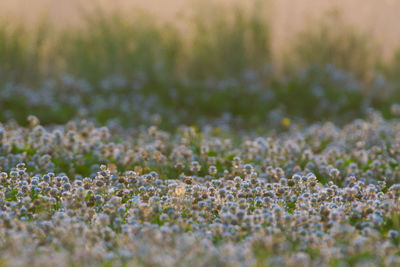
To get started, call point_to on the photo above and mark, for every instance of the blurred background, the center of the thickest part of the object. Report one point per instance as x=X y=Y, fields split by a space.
x=244 y=65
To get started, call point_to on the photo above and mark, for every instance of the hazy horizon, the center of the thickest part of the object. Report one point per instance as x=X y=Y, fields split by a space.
x=378 y=17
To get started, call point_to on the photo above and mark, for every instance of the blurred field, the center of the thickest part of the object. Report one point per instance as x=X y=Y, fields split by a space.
x=380 y=17
x=198 y=62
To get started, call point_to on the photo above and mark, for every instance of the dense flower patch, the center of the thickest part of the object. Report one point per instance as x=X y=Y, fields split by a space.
x=76 y=195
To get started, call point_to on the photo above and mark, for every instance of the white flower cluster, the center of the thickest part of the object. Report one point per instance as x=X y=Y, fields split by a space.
x=77 y=195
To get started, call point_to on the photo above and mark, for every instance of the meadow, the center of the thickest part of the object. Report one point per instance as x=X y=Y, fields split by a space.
x=126 y=140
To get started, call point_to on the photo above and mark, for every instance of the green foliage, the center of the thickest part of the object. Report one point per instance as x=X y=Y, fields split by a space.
x=117 y=44
x=227 y=45
x=333 y=41
x=322 y=92
x=392 y=71
x=221 y=62
x=22 y=52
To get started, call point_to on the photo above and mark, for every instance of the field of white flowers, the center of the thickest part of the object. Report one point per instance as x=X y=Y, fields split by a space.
x=123 y=142
x=321 y=195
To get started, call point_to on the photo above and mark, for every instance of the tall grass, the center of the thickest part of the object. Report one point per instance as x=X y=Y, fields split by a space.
x=333 y=41
x=23 y=52
x=115 y=44
x=221 y=63
x=226 y=45
x=335 y=69
x=392 y=69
